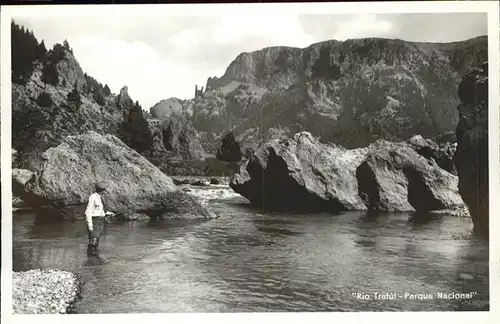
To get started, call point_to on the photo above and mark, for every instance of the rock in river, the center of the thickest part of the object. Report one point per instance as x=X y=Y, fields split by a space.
x=302 y=173
x=19 y=179
x=63 y=183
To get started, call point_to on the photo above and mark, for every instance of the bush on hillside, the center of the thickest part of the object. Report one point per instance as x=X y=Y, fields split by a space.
x=74 y=98
x=44 y=100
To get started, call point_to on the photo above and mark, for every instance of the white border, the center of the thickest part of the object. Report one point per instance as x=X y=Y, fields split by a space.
x=491 y=7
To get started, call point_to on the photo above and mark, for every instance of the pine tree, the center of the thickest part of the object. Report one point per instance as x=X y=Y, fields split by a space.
x=135 y=130
x=24 y=53
x=230 y=150
x=107 y=91
x=41 y=52
x=74 y=98
x=98 y=95
x=50 y=74
x=44 y=100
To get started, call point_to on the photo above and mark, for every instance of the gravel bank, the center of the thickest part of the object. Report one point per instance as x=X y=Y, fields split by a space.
x=459 y=211
x=45 y=291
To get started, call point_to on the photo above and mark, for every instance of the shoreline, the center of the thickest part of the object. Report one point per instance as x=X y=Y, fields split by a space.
x=45 y=291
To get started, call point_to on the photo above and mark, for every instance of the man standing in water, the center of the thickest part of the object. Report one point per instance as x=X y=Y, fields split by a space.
x=95 y=214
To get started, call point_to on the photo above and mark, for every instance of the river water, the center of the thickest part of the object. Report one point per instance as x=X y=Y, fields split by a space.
x=249 y=262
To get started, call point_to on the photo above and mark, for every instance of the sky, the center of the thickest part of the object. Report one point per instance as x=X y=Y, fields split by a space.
x=159 y=55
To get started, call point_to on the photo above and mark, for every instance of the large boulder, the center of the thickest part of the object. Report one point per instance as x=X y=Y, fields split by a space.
x=471 y=157
x=395 y=177
x=62 y=185
x=302 y=173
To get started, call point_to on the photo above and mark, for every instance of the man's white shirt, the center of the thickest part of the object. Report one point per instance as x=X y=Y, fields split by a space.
x=95 y=208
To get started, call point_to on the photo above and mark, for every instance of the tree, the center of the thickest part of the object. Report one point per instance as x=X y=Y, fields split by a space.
x=74 y=99
x=98 y=95
x=24 y=52
x=58 y=53
x=135 y=130
x=230 y=150
x=107 y=91
x=50 y=74
x=67 y=47
x=41 y=52
x=44 y=100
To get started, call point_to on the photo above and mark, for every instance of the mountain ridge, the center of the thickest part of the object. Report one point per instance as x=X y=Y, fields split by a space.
x=331 y=84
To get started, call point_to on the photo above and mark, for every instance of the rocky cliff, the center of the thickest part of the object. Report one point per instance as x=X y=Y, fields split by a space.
x=471 y=158
x=350 y=93
x=175 y=137
x=42 y=115
x=52 y=98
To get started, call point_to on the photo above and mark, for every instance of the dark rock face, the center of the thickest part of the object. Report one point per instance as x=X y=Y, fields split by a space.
x=302 y=173
x=230 y=150
x=471 y=157
x=351 y=93
x=61 y=187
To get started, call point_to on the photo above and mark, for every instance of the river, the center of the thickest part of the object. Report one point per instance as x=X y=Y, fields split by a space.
x=249 y=262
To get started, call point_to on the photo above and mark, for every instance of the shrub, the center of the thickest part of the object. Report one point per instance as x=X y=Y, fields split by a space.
x=44 y=100
x=50 y=74
x=74 y=98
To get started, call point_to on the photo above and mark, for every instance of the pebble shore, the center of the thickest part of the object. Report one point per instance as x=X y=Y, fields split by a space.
x=46 y=291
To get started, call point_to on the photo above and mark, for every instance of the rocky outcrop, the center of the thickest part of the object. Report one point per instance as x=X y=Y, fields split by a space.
x=44 y=291
x=175 y=137
x=471 y=157
x=351 y=93
x=302 y=173
x=38 y=125
x=47 y=110
x=61 y=186
x=230 y=149
x=163 y=109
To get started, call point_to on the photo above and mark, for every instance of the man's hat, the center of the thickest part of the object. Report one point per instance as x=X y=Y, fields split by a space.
x=101 y=185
